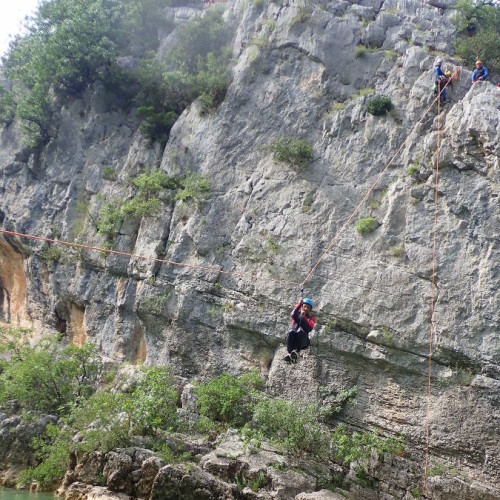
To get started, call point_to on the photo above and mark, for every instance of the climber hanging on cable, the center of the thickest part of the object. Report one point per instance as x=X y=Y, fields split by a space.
x=302 y=323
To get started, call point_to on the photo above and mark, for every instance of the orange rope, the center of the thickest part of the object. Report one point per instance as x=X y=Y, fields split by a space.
x=372 y=187
x=431 y=332
x=136 y=256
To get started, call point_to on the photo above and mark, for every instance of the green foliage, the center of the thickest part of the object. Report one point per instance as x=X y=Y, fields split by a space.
x=139 y=207
x=334 y=403
x=359 y=51
x=156 y=126
x=52 y=254
x=53 y=451
x=153 y=305
x=290 y=423
x=228 y=399
x=212 y=80
x=48 y=377
x=379 y=105
x=397 y=250
x=104 y=421
x=152 y=405
x=146 y=202
x=366 y=225
x=358 y=446
x=70 y=44
x=366 y=91
x=413 y=168
x=7 y=106
x=192 y=187
x=109 y=173
x=110 y=218
x=479 y=23
x=153 y=183
x=291 y=150
x=199 y=37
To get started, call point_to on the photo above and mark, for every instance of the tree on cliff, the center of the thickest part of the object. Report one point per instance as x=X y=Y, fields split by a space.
x=479 y=24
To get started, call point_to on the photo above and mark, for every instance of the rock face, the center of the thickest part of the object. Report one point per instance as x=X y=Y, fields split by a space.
x=16 y=450
x=265 y=226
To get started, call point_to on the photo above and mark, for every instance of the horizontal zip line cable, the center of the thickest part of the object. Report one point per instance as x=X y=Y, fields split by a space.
x=183 y=264
x=137 y=256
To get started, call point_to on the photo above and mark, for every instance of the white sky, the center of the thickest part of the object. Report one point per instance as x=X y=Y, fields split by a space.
x=12 y=14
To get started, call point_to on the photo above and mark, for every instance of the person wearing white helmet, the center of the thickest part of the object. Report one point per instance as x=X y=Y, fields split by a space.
x=302 y=324
x=440 y=81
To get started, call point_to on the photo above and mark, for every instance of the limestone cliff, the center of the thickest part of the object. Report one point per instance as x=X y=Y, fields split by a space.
x=264 y=226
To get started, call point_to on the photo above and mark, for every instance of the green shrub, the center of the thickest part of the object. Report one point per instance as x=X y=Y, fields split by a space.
x=197 y=38
x=228 y=399
x=192 y=187
x=104 y=422
x=413 y=168
x=53 y=451
x=110 y=219
x=139 y=207
x=359 y=51
x=109 y=173
x=150 y=184
x=359 y=446
x=296 y=152
x=47 y=377
x=70 y=44
x=146 y=202
x=212 y=80
x=397 y=251
x=156 y=126
x=7 y=106
x=52 y=254
x=379 y=105
x=152 y=405
x=290 y=423
x=333 y=403
x=366 y=225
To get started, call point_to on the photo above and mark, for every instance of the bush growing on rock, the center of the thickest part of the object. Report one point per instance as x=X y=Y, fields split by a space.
x=291 y=150
x=292 y=424
x=379 y=105
x=366 y=225
x=356 y=446
x=228 y=399
x=48 y=376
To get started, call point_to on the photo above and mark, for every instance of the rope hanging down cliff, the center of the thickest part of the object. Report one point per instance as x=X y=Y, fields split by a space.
x=377 y=180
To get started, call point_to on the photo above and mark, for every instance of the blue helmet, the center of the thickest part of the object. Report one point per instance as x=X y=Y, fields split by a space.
x=308 y=301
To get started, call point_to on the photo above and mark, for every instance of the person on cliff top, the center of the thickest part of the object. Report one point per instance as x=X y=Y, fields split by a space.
x=302 y=324
x=480 y=73
x=440 y=81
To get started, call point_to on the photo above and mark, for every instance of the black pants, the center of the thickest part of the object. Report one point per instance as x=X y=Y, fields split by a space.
x=297 y=340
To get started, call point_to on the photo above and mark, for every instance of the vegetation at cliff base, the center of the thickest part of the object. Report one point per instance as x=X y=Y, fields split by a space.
x=94 y=411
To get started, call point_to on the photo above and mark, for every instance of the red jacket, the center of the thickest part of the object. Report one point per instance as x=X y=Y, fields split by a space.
x=304 y=322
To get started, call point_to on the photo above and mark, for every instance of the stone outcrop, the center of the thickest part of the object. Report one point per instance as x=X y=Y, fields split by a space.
x=266 y=225
x=16 y=447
